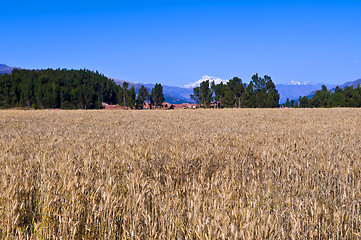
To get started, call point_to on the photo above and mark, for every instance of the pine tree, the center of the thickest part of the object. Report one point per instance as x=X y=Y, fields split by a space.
x=131 y=98
x=143 y=96
x=157 y=95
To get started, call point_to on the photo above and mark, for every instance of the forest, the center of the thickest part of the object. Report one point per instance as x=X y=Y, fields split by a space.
x=70 y=89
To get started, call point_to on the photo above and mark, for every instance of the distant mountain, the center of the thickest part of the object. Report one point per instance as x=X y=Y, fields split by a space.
x=295 y=83
x=354 y=84
x=173 y=95
x=6 y=69
x=349 y=84
x=293 y=90
x=205 y=78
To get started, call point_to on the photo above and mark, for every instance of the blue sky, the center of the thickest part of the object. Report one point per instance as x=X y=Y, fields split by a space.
x=176 y=42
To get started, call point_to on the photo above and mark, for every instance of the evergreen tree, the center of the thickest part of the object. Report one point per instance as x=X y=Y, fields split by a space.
x=273 y=96
x=287 y=104
x=304 y=102
x=228 y=100
x=196 y=96
x=157 y=95
x=124 y=94
x=131 y=98
x=236 y=87
x=292 y=103
x=219 y=92
x=206 y=94
x=202 y=94
x=143 y=96
x=56 y=89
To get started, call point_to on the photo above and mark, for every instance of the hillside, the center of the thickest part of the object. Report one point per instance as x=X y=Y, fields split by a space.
x=354 y=84
x=349 y=84
x=344 y=95
x=6 y=69
x=67 y=89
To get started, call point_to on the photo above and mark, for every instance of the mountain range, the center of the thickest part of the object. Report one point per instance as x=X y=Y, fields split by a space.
x=293 y=90
x=354 y=84
x=175 y=95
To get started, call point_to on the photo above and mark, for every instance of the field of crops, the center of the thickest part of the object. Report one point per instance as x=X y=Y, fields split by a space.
x=187 y=174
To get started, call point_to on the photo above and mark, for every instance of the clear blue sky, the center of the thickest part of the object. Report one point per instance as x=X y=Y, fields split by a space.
x=176 y=42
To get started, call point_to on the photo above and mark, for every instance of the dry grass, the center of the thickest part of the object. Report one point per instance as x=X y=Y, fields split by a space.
x=205 y=174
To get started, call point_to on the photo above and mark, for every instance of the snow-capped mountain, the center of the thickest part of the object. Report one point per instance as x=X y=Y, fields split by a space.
x=295 y=83
x=205 y=78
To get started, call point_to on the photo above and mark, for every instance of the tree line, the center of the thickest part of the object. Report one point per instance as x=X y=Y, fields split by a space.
x=71 y=89
x=259 y=93
x=347 y=97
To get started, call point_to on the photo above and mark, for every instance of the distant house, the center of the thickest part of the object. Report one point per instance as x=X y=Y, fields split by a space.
x=147 y=105
x=165 y=105
x=107 y=106
x=168 y=106
x=186 y=105
x=216 y=105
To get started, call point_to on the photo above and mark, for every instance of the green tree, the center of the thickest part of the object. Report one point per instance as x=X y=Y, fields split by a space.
x=157 y=95
x=304 y=102
x=273 y=96
x=206 y=94
x=228 y=99
x=287 y=104
x=292 y=103
x=202 y=94
x=132 y=96
x=125 y=94
x=236 y=86
x=143 y=96
x=219 y=92
x=196 y=96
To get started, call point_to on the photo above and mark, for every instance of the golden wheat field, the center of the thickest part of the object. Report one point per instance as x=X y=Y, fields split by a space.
x=203 y=174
